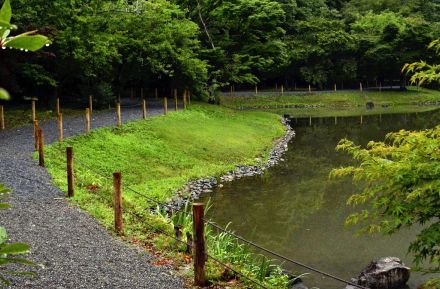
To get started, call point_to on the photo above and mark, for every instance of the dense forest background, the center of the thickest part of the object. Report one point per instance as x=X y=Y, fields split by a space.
x=105 y=47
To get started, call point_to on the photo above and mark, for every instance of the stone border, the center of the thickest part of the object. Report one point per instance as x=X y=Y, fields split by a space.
x=193 y=189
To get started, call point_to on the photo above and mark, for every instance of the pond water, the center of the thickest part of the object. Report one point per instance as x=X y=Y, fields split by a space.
x=297 y=211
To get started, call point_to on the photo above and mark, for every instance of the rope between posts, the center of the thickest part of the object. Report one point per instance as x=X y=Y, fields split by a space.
x=284 y=257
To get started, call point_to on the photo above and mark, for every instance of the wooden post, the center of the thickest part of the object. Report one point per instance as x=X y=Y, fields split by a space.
x=58 y=106
x=282 y=89
x=165 y=106
x=118 y=114
x=156 y=94
x=91 y=103
x=36 y=134
x=33 y=111
x=70 y=180
x=199 y=244
x=2 y=118
x=87 y=120
x=175 y=103
x=118 y=203
x=144 y=108
x=360 y=87
x=310 y=88
x=40 y=148
x=185 y=98
x=60 y=128
x=335 y=87
x=256 y=89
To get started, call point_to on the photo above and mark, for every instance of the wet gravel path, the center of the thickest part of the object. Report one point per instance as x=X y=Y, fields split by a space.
x=75 y=250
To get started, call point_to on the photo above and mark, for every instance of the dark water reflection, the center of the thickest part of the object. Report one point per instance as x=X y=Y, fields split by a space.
x=296 y=210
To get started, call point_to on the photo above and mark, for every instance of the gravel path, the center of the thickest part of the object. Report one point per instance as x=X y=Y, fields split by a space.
x=76 y=251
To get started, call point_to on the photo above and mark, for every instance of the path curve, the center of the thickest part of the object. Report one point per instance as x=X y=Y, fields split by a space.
x=76 y=251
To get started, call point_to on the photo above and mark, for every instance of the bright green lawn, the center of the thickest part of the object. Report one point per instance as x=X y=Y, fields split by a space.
x=339 y=103
x=159 y=155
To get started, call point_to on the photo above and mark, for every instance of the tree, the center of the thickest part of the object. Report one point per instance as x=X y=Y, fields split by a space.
x=422 y=72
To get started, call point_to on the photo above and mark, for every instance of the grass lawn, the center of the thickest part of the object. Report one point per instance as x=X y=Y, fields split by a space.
x=160 y=155
x=20 y=116
x=339 y=103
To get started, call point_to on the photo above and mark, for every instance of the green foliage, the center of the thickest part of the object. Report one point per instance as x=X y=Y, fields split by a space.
x=402 y=184
x=422 y=72
x=10 y=251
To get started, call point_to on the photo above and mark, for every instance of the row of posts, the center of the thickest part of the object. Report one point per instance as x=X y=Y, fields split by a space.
x=310 y=89
x=89 y=110
x=195 y=244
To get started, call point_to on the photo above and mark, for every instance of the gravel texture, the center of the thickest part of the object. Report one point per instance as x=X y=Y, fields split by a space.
x=76 y=251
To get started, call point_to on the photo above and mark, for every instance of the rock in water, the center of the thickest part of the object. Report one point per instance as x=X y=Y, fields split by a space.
x=387 y=273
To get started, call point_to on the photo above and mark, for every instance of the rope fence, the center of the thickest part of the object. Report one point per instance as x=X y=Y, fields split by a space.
x=198 y=246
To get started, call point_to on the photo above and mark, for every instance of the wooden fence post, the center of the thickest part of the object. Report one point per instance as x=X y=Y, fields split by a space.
x=184 y=99
x=144 y=108
x=2 y=118
x=199 y=244
x=119 y=227
x=165 y=105
x=256 y=89
x=91 y=103
x=33 y=111
x=335 y=87
x=70 y=180
x=310 y=88
x=118 y=114
x=40 y=148
x=58 y=106
x=87 y=120
x=282 y=89
x=36 y=127
x=360 y=87
x=60 y=128
x=175 y=103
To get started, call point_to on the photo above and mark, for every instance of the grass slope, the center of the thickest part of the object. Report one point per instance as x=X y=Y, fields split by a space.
x=339 y=103
x=161 y=154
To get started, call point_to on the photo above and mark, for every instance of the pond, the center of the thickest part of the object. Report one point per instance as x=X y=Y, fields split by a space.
x=297 y=211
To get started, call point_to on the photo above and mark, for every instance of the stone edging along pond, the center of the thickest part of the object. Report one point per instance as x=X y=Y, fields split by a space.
x=193 y=189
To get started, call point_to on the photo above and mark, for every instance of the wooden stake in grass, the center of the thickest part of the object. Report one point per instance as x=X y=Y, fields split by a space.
x=58 y=106
x=282 y=89
x=60 y=128
x=165 y=106
x=91 y=103
x=2 y=118
x=119 y=227
x=144 y=108
x=360 y=87
x=199 y=244
x=310 y=88
x=70 y=179
x=335 y=87
x=40 y=148
x=87 y=120
x=184 y=98
x=33 y=111
x=118 y=114
x=36 y=127
x=256 y=89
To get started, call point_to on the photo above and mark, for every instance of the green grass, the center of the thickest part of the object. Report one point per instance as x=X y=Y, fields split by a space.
x=20 y=116
x=338 y=103
x=157 y=157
